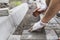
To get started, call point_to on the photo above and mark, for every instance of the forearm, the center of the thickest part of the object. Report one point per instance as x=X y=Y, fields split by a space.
x=52 y=9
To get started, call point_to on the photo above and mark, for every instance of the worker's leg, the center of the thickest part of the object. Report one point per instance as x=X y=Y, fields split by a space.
x=53 y=8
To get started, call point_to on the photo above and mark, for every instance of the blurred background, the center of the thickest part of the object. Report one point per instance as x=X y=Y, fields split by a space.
x=14 y=3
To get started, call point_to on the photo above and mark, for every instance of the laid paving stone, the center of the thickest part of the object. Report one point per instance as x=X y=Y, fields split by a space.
x=14 y=37
x=33 y=35
x=53 y=20
x=48 y=34
x=58 y=20
x=58 y=32
x=53 y=26
x=52 y=23
x=4 y=11
x=51 y=34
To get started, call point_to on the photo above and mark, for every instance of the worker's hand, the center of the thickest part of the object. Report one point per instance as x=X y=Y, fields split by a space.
x=40 y=11
x=37 y=11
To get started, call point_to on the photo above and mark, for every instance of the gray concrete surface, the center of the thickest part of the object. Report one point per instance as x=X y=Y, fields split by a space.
x=4 y=1
x=14 y=37
x=33 y=35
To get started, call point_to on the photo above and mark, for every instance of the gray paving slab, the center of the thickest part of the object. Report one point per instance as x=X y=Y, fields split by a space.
x=58 y=20
x=14 y=37
x=51 y=34
x=53 y=24
x=4 y=11
x=53 y=20
x=58 y=32
x=56 y=27
x=33 y=35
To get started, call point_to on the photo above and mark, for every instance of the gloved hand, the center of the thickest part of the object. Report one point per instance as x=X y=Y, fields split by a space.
x=37 y=11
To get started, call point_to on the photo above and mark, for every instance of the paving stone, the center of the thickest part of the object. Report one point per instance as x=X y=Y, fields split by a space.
x=51 y=34
x=48 y=34
x=4 y=11
x=58 y=32
x=58 y=20
x=33 y=35
x=53 y=26
x=53 y=20
x=14 y=37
